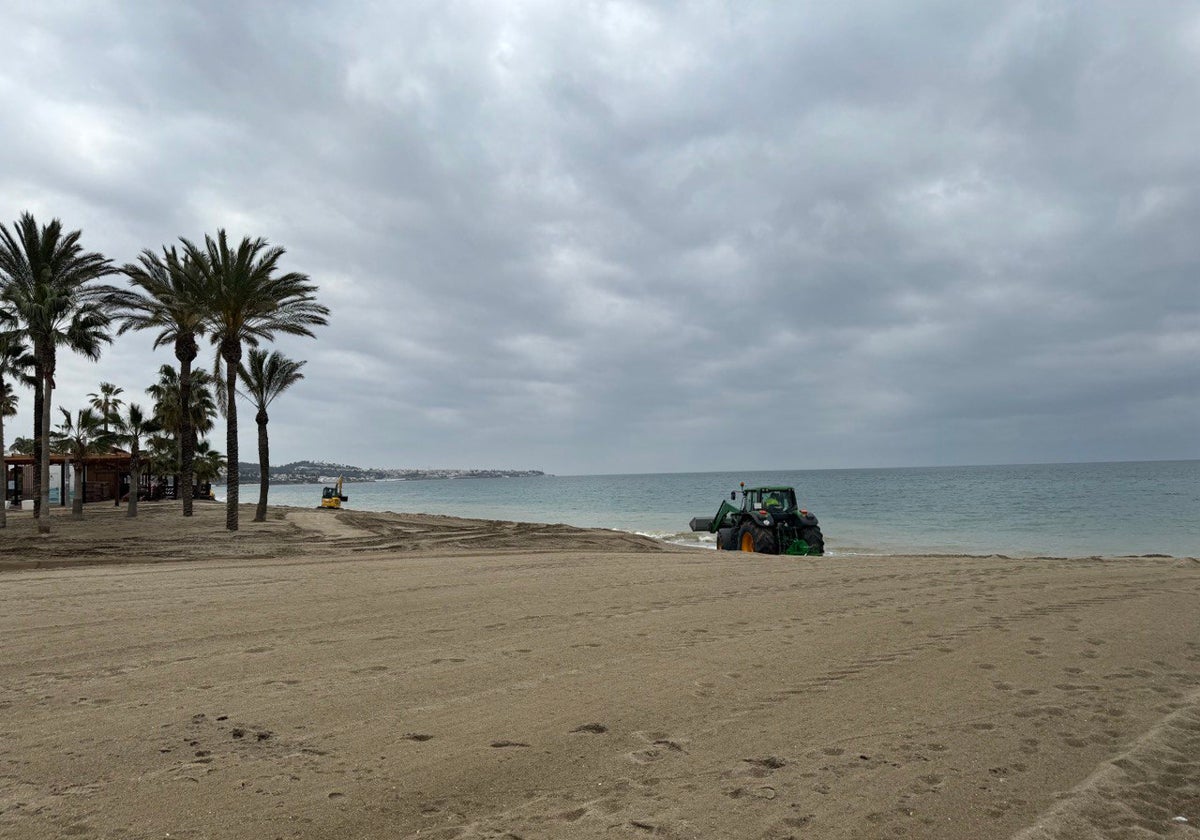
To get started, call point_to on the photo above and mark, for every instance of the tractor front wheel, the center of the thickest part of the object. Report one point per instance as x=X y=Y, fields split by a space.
x=725 y=539
x=757 y=539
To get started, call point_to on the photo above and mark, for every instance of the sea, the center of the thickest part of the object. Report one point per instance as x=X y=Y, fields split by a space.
x=1059 y=510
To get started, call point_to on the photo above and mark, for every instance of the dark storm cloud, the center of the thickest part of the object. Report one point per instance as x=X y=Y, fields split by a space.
x=636 y=237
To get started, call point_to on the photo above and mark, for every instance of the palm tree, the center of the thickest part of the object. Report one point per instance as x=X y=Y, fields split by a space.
x=171 y=298
x=266 y=377
x=167 y=394
x=15 y=364
x=22 y=445
x=249 y=301
x=133 y=426
x=107 y=402
x=79 y=438
x=162 y=455
x=209 y=463
x=8 y=408
x=48 y=280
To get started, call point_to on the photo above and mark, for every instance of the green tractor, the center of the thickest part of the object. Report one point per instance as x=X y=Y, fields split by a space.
x=768 y=522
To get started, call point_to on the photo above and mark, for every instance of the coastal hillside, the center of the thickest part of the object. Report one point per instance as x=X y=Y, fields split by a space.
x=323 y=472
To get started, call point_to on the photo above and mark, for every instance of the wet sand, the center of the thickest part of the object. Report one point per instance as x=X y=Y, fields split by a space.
x=338 y=675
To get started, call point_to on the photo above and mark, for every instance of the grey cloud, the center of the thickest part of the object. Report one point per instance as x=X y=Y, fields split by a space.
x=627 y=236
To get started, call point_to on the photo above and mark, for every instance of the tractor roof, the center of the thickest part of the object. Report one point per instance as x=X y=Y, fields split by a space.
x=772 y=487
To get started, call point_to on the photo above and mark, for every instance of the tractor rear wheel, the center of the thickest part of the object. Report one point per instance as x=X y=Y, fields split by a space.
x=757 y=539
x=816 y=542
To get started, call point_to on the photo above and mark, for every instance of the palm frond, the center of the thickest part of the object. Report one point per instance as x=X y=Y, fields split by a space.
x=265 y=376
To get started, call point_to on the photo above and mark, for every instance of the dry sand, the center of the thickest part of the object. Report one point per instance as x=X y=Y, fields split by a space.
x=352 y=675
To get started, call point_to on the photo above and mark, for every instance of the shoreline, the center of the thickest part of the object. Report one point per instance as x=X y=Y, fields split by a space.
x=22 y=539
x=346 y=674
x=1060 y=511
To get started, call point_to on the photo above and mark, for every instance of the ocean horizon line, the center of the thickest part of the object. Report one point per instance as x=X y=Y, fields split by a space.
x=548 y=474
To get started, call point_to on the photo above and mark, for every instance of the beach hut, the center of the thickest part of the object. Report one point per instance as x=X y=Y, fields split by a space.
x=105 y=477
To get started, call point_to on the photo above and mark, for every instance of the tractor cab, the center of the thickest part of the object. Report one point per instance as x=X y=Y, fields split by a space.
x=776 y=500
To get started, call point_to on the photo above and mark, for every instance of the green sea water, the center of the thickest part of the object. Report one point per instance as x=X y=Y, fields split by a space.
x=1067 y=510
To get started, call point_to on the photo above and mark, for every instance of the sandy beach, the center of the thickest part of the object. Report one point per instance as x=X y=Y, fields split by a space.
x=354 y=675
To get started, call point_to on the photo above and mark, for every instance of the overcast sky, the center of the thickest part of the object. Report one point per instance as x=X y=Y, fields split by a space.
x=603 y=237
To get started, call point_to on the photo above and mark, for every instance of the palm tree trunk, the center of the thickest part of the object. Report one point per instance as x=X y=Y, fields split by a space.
x=135 y=480
x=231 y=352
x=185 y=352
x=3 y=478
x=77 y=502
x=264 y=469
x=35 y=471
x=44 y=486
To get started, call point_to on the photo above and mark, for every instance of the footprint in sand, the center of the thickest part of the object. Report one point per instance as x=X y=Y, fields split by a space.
x=764 y=792
x=770 y=762
x=593 y=728
x=657 y=751
x=668 y=744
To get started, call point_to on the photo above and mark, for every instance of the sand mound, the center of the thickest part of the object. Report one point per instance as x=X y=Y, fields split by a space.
x=161 y=534
x=1153 y=790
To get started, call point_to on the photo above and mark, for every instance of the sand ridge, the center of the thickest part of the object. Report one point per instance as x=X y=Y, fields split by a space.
x=1150 y=790
x=160 y=534
x=367 y=675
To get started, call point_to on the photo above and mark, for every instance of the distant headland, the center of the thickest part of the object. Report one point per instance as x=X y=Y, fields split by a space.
x=323 y=472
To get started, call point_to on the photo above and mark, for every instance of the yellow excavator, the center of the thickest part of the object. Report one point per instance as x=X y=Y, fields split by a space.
x=331 y=497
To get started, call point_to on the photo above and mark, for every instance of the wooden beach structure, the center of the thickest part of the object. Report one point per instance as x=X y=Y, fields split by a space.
x=105 y=477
